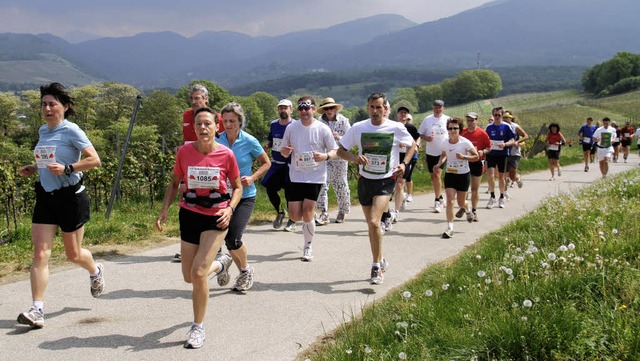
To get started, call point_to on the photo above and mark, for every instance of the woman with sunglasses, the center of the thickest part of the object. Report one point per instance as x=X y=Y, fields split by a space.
x=457 y=152
x=206 y=209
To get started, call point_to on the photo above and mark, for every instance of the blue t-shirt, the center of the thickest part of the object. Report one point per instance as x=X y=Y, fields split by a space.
x=246 y=148
x=276 y=132
x=587 y=132
x=69 y=140
x=501 y=132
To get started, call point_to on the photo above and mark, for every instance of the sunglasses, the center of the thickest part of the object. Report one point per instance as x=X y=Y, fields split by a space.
x=453 y=128
x=329 y=108
x=305 y=105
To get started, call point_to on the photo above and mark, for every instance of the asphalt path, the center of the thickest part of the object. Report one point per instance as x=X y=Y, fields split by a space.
x=145 y=311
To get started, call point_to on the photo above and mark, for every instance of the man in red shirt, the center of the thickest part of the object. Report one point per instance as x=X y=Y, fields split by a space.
x=626 y=134
x=480 y=139
x=199 y=98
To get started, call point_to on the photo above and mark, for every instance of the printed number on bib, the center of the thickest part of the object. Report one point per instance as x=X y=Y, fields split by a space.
x=553 y=147
x=45 y=155
x=377 y=163
x=203 y=177
x=305 y=160
x=495 y=144
x=277 y=144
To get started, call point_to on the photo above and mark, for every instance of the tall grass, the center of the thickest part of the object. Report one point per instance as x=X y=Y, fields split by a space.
x=562 y=283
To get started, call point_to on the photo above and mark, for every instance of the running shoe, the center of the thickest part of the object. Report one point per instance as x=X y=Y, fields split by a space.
x=491 y=202
x=403 y=206
x=507 y=196
x=520 y=183
x=409 y=198
x=501 y=202
x=195 y=337
x=475 y=216
x=277 y=223
x=586 y=168
x=177 y=258
x=97 y=282
x=395 y=215
x=388 y=222
x=552 y=178
x=460 y=213
x=306 y=255
x=437 y=206
x=559 y=172
x=244 y=281
x=291 y=226
x=32 y=317
x=384 y=265
x=340 y=218
x=322 y=219
x=470 y=217
x=448 y=233
x=376 y=276
x=222 y=276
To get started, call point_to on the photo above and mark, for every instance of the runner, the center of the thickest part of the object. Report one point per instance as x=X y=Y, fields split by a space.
x=433 y=130
x=378 y=140
x=205 y=211
x=311 y=144
x=479 y=138
x=586 y=138
x=277 y=176
x=555 y=140
x=625 y=140
x=513 y=159
x=502 y=138
x=456 y=153
x=247 y=149
x=604 y=137
x=63 y=152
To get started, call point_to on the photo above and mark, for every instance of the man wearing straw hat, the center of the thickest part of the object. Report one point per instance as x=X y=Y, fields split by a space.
x=337 y=169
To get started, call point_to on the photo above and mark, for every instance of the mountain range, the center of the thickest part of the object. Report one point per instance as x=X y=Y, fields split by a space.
x=502 y=33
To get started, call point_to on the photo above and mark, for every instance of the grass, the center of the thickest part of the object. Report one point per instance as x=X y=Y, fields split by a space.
x=562 y=283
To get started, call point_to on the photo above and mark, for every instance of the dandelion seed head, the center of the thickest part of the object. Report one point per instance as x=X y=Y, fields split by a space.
x=445 y=286
x=615 y=231
x=551 y=256
x=519 y=259
x=348 y=351
x=527 y=303
x=402 y=356
x=571 y=246
x=487 y=280
x=481 y=273
x=524 y=318
x=428 y=293
x=510 y=278
x=402 y=324
x=563 y=248
x=367 y=349
x=508 y=271
x=406 y=294
x=478 y=256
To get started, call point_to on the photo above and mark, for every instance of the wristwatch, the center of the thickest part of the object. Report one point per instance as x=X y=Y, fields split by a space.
x=68 y=169
x=233 y=209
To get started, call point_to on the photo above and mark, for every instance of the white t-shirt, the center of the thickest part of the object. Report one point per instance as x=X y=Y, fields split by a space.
x=638 y=135
x=598 y=134
x=515 y=149
x=437 y=128
x=305 y=140
x=379 y=143
x=455 y=165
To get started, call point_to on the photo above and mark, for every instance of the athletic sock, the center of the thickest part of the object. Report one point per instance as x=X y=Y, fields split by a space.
x=308 y=231
x=493 y=194
x=39 y=305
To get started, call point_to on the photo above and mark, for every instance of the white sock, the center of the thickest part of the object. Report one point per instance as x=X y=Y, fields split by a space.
x=450 y=225
x=375 y=265
x=39 y=305
x=308 y=231
x=198 y=325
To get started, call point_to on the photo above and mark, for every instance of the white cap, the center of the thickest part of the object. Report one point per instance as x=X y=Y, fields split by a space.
x=285 y=102
x=409 y=117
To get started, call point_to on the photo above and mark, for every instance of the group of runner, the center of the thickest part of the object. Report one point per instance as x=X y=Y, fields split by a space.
x=215 y=175
x=605 y=141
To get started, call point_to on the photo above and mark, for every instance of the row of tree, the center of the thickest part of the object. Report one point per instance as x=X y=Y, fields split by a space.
x=618 y=75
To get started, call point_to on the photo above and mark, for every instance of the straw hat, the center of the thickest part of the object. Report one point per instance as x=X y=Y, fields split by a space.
x=328 y=103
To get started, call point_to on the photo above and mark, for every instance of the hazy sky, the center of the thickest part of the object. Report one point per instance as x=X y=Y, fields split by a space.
x=254 y=17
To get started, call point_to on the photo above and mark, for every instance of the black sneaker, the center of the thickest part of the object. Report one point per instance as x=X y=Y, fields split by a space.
x=277 y=223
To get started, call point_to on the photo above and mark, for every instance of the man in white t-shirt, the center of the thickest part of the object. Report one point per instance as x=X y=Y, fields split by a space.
x=604 y=138
x=433 y=131
x=637 y=135
x=310 y=144
x=378 y=140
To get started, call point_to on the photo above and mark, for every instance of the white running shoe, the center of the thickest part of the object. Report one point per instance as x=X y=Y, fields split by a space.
x=244 y=281
x=437 y=206
x=409 y=198
x=195 y=337
x=222 y=276
x=306 y=254
x=97 y=282
x=32 y=317
x=491 y=202
x=501 y=202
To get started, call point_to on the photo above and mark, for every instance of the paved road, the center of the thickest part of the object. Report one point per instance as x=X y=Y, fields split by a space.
x=146 y=308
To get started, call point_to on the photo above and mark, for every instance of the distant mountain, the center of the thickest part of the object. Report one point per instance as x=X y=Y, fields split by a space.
x=503 y=33
x=75 y=37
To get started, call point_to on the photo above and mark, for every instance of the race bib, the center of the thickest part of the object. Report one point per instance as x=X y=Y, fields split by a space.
x=457 y=166
x=377 y=163
x=586 y=140
x=305 y=160
x=45 y=155
x=553 y=147
x=203 y=177
x=626 y=135
x=277 y=144
x=495 y=144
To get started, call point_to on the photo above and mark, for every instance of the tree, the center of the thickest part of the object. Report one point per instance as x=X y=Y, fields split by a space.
x=602 y=76
x=426 y=94
x=164 y=111
x=408 y=98
x=8 y=116
x=115 y=103
x=86 y=103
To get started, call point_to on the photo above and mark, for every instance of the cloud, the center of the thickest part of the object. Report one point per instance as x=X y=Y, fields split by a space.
x=253 y=17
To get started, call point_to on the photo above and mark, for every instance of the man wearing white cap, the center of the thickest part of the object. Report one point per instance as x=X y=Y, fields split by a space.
x=337 y=169
x=277 y=176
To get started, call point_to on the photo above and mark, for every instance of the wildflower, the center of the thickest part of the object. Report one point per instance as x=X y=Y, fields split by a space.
x=508 y=271
x=615 y=231
x=478 y=256
x=445 y=286
x=429 y=293
x=563 y=248
x=527 y=303
x=348 y=351
x=487 y=280
x=481 y=273
x=519 y=259
x=571 y=246
x=551 y=256
x=406 y=294
x=367 y=349
x=622 y=308
x=402 y=356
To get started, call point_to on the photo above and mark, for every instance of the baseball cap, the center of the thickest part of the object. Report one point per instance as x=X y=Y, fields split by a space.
x=403 y=108
x=409 y=117
x=473 y=115
x=439 y=102
x=285 y=102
